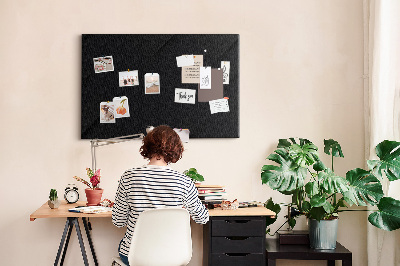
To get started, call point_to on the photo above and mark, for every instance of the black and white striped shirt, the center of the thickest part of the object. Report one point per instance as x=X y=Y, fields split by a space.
x=151 y=187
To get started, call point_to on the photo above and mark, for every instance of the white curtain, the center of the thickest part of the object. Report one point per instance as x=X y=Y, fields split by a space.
x=383 y=109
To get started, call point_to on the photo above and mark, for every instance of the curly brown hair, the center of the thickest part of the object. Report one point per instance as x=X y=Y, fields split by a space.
x=162 y=141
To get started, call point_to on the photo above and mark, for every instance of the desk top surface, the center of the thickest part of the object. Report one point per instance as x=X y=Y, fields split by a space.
x=62 y=212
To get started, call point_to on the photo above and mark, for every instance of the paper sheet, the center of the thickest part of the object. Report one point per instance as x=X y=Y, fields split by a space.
x=205 y=77
x=218 y=106
x=226 y=66
x=185 y=60
x=191 y=74
x=183 y=134
x=185 y=96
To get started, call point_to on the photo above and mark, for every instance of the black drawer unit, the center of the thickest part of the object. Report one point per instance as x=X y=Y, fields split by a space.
x=234 y=241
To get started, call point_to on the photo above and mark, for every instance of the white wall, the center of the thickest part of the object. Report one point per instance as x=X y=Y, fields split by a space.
x=301 y=75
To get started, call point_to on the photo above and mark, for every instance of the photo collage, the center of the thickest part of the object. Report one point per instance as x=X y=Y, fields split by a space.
x=210 y=82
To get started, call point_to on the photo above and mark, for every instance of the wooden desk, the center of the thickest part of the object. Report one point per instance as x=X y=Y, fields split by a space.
x=246 y=223
x=235 y=237
x=72 y=219
x=304 y=252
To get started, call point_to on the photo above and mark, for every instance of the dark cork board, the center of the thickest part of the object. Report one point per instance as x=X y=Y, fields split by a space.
x=156 y=53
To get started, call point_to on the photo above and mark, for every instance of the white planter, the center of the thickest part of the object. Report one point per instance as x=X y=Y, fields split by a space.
x=54 y=204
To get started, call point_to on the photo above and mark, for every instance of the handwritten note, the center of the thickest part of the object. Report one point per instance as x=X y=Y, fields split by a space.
x=218 y=106
x=205 y=77
x=226 y=66
x=191 y=74
x=185 y=96
x=185 y=60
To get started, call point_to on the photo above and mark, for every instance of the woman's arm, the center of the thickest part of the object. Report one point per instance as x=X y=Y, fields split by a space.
x=120 y=208
x=193 y=205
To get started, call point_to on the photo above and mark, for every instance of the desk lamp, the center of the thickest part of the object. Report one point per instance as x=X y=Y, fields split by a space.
x=94 y=143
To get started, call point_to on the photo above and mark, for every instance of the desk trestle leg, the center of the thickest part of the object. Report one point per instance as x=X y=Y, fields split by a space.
x=78 y=232
x=71 y=221
x=85 y=224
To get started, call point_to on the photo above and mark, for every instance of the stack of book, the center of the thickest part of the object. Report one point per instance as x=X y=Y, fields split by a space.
x=211 y=194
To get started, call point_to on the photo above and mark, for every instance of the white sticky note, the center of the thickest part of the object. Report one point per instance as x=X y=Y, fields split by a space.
x=183 y=134
x=185 y=96
x=219 y=106
x=185 y=60
x=205 y=77
x=225 y=66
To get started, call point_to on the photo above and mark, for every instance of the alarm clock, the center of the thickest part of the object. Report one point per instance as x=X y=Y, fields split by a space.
x=71 y=194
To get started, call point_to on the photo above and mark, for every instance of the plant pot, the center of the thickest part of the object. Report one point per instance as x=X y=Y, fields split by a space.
x=93 y=196
x=54 y=204
x=323 y=234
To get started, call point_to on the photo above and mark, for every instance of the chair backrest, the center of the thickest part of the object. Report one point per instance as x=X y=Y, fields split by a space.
x=161 y=237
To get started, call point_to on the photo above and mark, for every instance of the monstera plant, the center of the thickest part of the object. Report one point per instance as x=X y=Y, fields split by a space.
x=320 y=194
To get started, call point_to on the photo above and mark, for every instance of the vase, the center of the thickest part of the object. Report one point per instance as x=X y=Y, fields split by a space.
x=323 y=234
x=93 y=196
x=54 y=204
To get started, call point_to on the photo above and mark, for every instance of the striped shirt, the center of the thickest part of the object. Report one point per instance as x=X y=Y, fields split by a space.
x=151 y=187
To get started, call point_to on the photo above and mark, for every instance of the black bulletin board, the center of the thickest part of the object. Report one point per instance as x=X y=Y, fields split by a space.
x=156 y=53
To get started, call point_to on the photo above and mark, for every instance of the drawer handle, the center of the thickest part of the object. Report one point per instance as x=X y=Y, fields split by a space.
x=237 y=221
x=236 y=237
x=236 y=254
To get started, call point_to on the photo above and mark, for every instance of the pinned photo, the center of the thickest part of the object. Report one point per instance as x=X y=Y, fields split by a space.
x=103 y=64
x=121 y=107
x=128 y=78
x=107 y=112
x=152 y=83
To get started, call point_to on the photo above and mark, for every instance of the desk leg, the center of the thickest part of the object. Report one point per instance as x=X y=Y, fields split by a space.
x=331 y=263
x=78 y=232
x=66 y=243
x=271 y=262
x=90 y=240
x=67 y=225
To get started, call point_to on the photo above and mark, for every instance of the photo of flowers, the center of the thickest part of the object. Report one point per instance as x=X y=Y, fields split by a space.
x=103 y=64
x=128 y=78
x=107 y=114
x=121 y=107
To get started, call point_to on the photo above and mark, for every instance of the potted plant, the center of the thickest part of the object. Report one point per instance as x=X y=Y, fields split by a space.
x=320 y=194
x=194 y=175
x=93 y=193
x=53 y=201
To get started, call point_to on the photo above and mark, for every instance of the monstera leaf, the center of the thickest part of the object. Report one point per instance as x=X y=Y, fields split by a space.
x=388 y=153
x=304 y=155
x=363 y=188
x=334 y=146
x=286 y=177
x=276 y=208
x=388 y=216
x=331 y=183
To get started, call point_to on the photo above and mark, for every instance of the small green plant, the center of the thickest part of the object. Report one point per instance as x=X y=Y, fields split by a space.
x=53 y=195
x=194 y=175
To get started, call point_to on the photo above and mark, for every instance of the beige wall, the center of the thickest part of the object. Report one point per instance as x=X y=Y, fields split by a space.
x=301 y=75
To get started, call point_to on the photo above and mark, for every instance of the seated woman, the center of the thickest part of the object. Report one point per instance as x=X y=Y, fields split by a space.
x=155 y=185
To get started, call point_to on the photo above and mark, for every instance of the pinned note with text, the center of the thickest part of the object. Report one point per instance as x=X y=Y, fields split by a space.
x=226 y=66
x=185 y=96
x=219 y=106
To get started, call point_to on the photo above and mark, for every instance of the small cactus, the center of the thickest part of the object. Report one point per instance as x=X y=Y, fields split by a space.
x=53 y=195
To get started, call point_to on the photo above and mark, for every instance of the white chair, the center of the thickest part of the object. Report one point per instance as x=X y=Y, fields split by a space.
x=162 y=237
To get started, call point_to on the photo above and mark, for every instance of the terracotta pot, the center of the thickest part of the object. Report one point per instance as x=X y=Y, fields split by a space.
x=93 y=196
